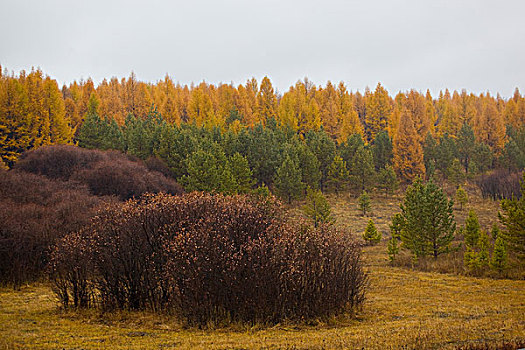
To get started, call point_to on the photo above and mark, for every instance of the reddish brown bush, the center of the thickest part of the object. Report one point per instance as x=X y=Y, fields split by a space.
x=47 y=195
x=209 y=258
x=34 y=213
x=58 y=161
x=124 y=179
x=104 y=172
x=500 y=184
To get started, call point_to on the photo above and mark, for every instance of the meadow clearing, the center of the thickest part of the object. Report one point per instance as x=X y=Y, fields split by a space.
x=405 y=309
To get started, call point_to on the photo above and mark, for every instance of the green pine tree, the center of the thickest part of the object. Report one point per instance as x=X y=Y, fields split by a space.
x=382 y=150
x=361 y=168
x=395 y=230
x=142 y=136
x=483 y=247
x=499 y=255
x=397 y=225
x=466 y=145
x=310 y=168
x=471 y=259
x=455 y=173
x=90 y=134
x=428 y=220
x=317 y=207
x=494 y=231
x=241 y=173
x=363 y=202
x=472 y=229
x=430 y=149
x=371 y=235
x=112 y=137
x=513 y=219
x=288 y=182
x=461 y=197
x=208 y=170
x=512 y=157
x=445 y=154
x=393 y=249
x=482 y=159
x=387 y=180
x=262 y=192
x=322 y=145
x=337 y=174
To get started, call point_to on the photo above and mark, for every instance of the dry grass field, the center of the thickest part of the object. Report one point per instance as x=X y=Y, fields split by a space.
x=405 y=309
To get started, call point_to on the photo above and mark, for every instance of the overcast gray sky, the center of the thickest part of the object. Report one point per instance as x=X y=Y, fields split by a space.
x=478 y=45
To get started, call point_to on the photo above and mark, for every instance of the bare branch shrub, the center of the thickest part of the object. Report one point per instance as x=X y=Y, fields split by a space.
x=500 y=184
x=34 y=213
x=211 y=258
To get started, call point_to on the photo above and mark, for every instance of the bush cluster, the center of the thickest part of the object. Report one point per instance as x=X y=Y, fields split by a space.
x=53 y=191
x=209 y=259
x=500 y=184
x=34 y=212
x=104 y=173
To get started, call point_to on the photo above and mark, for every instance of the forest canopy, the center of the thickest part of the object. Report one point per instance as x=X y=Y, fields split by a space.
x=414 y=132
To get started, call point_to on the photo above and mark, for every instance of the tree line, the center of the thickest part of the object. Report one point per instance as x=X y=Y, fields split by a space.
x=275 y=156
x=34 y=111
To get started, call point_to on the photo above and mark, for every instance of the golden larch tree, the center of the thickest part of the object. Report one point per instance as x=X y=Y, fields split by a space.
x=408 y=152
x=266 y=101
x=378 y=110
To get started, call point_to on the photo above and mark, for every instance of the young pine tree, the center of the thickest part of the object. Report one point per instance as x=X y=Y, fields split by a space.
x=382 y=150
x=499 y=255
x=371 y=235
x=461 y=197
x=395 y=230
x=393 y=249
x=494 y=231
x=428 y=220
x=209 y=170
x=472 y=229
x=483 y=246
x=466 y=143
x=317 y=208
x=363 y=202
x=471 y=259
x=311 y=173
x=91 y=132
x=513 y=220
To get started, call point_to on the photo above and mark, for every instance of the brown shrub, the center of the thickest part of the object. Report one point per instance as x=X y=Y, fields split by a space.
x=124 y=179
x=47 y=195
x=500 y=184
x=34 y=213
x=58 y=162
x=209 y=258
x=104 y=172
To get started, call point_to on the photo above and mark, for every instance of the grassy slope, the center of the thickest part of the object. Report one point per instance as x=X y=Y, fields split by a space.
x=404 y=308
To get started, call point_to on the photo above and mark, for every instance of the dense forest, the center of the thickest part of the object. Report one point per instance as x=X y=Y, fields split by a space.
x=240 y=138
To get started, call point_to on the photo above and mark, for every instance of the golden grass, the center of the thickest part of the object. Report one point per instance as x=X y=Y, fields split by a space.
x=404 y=310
